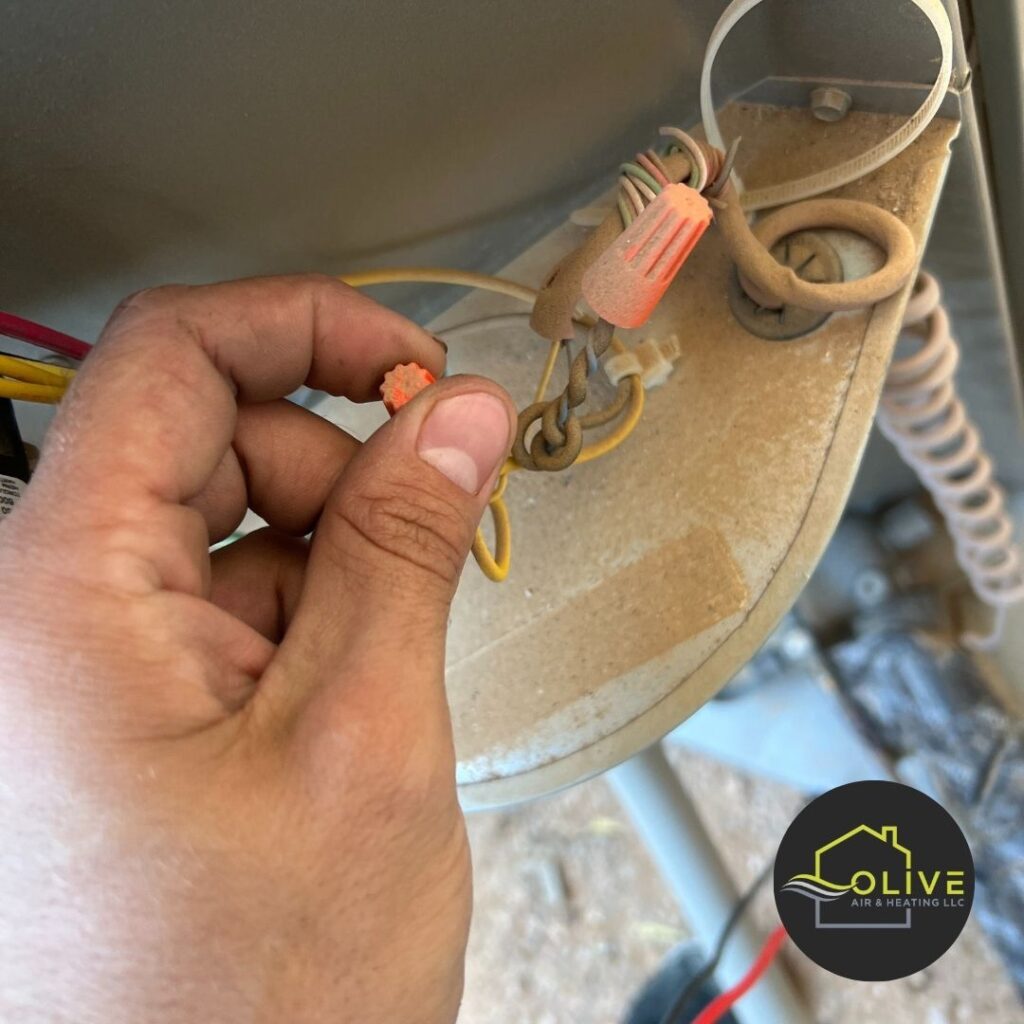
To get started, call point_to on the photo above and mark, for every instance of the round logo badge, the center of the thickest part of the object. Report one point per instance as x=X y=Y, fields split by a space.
x=874 y=881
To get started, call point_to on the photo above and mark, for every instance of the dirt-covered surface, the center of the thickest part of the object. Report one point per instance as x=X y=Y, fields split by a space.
x=571 y=915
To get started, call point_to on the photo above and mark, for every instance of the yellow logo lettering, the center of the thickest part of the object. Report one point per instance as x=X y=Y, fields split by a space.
x=870 y=886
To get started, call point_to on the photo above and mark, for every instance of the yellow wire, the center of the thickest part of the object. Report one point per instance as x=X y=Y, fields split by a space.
x=29 y=392
x=624 y=428
x=549 y=369
x=30 y=381
x=496 y=566
x=610 y=442
x=439 y=275
x=33 y=372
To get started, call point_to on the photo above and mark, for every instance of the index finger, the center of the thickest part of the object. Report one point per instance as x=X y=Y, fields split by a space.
x=153 y=409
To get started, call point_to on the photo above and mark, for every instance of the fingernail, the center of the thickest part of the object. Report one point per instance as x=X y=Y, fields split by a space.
x=441 y=343
x=466 y=437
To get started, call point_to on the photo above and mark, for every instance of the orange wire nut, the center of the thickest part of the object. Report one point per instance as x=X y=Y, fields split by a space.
x=402 y=384
x=630 y=277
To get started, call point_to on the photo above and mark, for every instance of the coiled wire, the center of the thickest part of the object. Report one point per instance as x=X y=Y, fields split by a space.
x=642 y=179
x=924 y=418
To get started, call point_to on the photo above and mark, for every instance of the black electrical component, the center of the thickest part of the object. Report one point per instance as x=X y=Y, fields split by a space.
x=14 y=471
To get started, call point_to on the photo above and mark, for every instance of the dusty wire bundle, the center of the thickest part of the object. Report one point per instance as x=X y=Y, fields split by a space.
x=559 y=441
x=642 y=179
x=628 y=403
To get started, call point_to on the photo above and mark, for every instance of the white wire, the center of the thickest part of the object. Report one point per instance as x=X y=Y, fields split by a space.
x=850 y=170
x=499 y=320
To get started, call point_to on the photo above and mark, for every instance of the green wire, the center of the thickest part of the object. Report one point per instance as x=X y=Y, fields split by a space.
x=636 y=171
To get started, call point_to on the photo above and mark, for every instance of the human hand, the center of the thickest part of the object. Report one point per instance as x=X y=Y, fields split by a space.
x=227 y=783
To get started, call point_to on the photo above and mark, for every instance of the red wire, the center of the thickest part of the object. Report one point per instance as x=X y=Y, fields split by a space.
x=45 y=337
x=721 y=1004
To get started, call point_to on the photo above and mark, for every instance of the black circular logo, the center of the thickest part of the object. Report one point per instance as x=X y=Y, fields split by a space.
x=874 y=881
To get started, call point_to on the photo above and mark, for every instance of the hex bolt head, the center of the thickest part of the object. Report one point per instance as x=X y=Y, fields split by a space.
x=829 y=103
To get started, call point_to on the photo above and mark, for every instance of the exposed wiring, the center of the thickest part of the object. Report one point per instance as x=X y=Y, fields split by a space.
x=30 y=392
x=548 y=371
x=849 y=170
x=642 y=179
x=503 y=320
x=720 y=1005
x=31 y=381
x=769 y=283
x=496 y=565
x=439 y=275
x=924 y=418
x=558 y=443
x=481 y=323
x=13 y=326
x=33 y=371
x=674 y=1014
x=772 y=285
x=700 y=176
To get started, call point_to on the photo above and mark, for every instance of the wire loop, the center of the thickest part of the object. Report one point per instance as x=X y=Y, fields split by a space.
x=559 y=441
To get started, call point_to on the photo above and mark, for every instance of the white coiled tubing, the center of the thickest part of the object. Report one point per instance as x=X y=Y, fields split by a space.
x=924 y=418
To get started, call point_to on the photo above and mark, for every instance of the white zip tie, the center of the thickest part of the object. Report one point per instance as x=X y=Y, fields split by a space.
x=850 y=170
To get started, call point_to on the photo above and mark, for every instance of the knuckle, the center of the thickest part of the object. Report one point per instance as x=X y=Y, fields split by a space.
x=315 y=277
x=409 y=526
x=146 y=301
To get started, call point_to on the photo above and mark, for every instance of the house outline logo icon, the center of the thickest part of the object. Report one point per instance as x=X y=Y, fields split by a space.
x=821 y=890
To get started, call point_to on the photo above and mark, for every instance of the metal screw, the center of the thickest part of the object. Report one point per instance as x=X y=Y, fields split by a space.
x=829 y=103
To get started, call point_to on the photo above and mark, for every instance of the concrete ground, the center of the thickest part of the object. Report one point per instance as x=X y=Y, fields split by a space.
x=571 y=915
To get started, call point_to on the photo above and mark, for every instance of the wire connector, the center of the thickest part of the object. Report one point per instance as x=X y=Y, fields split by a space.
x=402 y=384
x=653 y=360
x=628 y=280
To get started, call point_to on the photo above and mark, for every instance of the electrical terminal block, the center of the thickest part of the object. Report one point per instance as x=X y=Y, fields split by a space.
x=402 y=384
x=653 y=359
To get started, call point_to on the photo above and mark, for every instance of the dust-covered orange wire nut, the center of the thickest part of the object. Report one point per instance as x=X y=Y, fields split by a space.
x=402 y=384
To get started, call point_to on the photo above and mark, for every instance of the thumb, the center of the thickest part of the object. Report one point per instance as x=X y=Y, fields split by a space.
x=390 y=546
